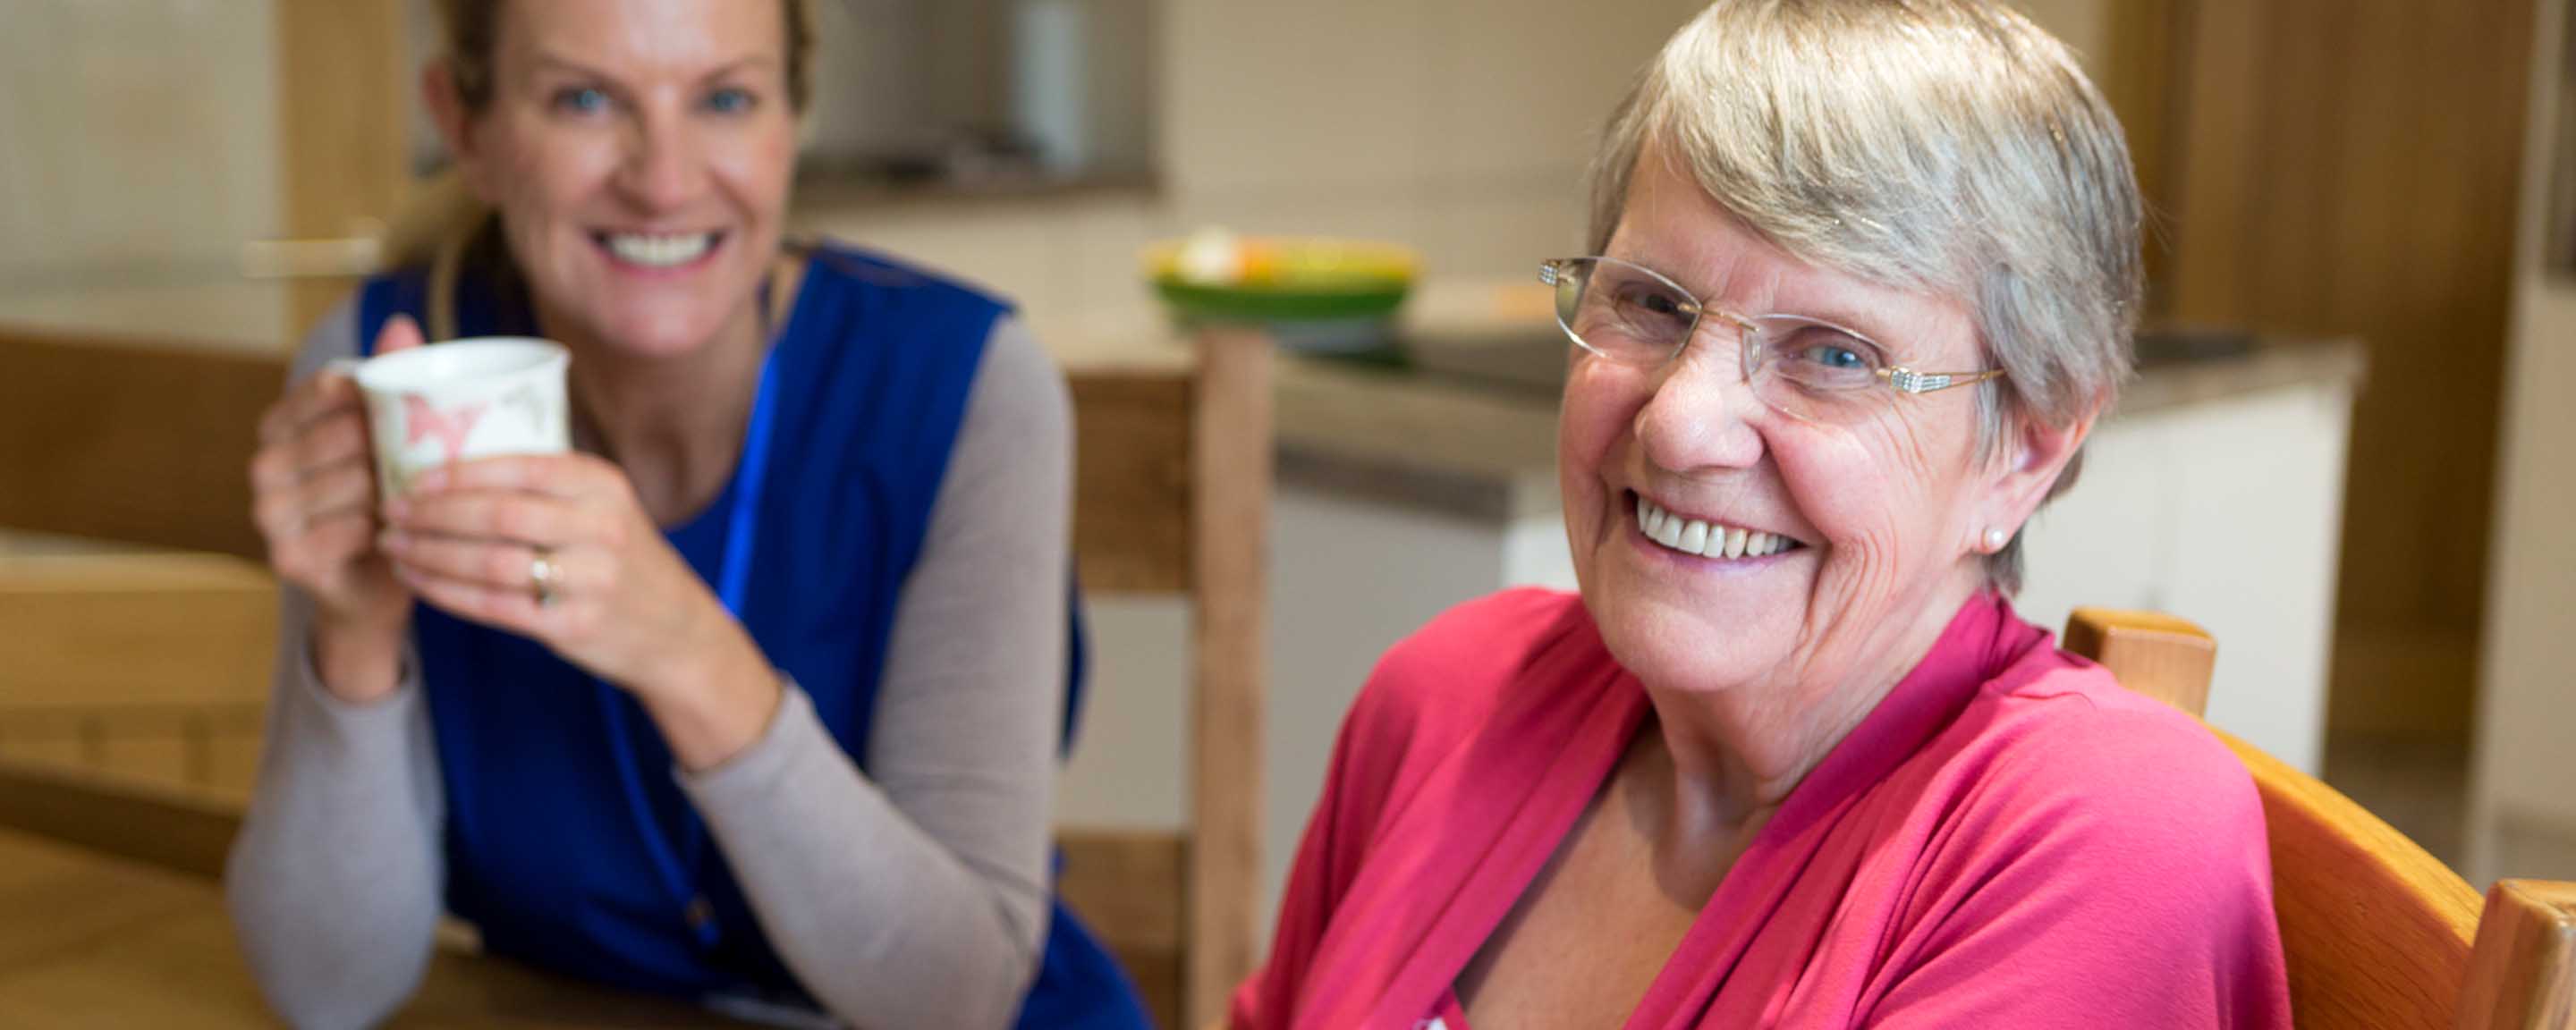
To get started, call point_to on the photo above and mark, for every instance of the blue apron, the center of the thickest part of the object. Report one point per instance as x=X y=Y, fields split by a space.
x=567 y=843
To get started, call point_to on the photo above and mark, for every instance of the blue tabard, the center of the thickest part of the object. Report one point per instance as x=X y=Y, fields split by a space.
x=568 y=843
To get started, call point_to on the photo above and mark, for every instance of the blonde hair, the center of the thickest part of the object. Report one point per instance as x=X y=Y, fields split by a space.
x=445 y=212
x=1948 y=146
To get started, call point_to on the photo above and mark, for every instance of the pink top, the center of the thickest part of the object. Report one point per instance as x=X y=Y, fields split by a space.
x=2009 y=840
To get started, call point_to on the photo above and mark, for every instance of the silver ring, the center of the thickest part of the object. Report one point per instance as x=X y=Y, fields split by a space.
x=544 y=576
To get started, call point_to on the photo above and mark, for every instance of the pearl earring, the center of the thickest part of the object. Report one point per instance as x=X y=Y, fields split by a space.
x=1995 y=539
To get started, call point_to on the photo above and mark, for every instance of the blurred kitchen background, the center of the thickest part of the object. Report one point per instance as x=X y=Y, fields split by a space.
x=2347 y=453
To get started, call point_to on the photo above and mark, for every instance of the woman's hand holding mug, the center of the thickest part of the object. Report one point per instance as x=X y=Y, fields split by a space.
x=313 y=490
x=558 y=548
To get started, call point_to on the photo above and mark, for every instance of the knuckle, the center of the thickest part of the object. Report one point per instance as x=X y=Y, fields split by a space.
x=327 y=439
x=513 y=521
x=274 y=510
x=272 y=466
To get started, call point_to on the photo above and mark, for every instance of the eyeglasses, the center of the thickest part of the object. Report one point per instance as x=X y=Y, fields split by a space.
x=1806 y=369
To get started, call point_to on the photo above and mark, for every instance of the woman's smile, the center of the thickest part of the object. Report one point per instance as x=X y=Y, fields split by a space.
x=1708 y=539
x=659 y=254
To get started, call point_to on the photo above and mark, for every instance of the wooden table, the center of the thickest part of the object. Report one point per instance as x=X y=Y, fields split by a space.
x=88 y=940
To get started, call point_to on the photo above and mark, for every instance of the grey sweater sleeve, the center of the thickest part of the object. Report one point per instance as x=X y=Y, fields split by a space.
x=919 y=896
x=334 y=879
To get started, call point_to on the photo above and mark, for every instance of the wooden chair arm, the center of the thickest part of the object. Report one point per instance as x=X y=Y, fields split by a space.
x=2522 y=973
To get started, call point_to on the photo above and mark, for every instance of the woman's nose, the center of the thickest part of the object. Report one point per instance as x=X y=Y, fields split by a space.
x=1701 y=413
x=663 y=168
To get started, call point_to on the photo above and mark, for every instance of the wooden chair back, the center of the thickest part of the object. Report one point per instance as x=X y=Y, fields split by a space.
x=133 y=667
x=131 y=441
x=148 y=444
x=1173 y=495
x=2377 y=932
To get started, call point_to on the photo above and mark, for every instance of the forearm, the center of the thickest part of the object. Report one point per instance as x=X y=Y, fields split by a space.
x=334 y=879
x=715 y=703
x=884 y=924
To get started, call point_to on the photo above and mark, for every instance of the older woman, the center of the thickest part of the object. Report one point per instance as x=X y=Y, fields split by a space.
x=1867 y=275
x=754 y=699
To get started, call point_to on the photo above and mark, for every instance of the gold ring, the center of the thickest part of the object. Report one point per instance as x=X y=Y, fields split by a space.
x=544 y=576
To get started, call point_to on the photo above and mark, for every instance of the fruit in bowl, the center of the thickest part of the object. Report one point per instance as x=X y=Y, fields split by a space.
x=1311 y=293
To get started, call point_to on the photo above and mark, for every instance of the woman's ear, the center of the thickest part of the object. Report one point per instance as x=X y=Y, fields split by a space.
x=2033 y=457
x=446 y=103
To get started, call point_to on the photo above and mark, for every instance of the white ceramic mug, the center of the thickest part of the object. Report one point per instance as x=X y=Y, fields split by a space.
x=470 y=398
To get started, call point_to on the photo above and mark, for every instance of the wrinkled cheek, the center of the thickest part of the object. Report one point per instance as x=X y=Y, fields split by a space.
x=1844 y=493
x=1589 y=427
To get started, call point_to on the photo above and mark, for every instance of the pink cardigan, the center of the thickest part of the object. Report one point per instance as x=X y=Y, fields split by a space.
x=2009 y=840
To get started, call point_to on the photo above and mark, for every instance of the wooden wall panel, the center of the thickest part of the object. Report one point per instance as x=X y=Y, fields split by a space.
x=2137 y=77
x=344 y=121
x=2350 y=168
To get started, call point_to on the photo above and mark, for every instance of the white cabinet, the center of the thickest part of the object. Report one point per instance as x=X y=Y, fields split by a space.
x=2227 y=512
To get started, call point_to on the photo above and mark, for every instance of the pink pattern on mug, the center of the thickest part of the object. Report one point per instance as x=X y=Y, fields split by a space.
x=450 y=427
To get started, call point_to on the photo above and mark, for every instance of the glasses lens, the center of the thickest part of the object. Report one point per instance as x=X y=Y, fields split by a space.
x=1623 y=312
x=1814 y=370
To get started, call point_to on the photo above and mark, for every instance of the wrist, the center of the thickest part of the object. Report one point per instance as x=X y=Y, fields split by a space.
x=713 y=700
x=358 y=662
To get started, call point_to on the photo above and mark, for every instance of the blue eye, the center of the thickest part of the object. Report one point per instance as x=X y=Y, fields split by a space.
x=1822 y=357
x=1838 y=358
x=731 y=101
x=581 y=100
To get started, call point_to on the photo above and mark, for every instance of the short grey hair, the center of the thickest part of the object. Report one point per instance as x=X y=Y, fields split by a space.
x=1947 y=146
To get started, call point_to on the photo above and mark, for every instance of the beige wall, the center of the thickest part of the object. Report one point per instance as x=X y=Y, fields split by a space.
x=137 y=153
x=2523 y=808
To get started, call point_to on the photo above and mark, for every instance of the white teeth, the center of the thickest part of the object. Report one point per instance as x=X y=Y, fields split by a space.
x=1669 y=531
x=659 y=251
x=1694 y=536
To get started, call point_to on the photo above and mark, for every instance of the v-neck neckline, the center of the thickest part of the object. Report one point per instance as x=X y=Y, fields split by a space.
x=1515 y=847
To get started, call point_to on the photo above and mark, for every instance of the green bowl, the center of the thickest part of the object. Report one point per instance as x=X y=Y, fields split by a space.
x=1204 y=302
x=1311 y=294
